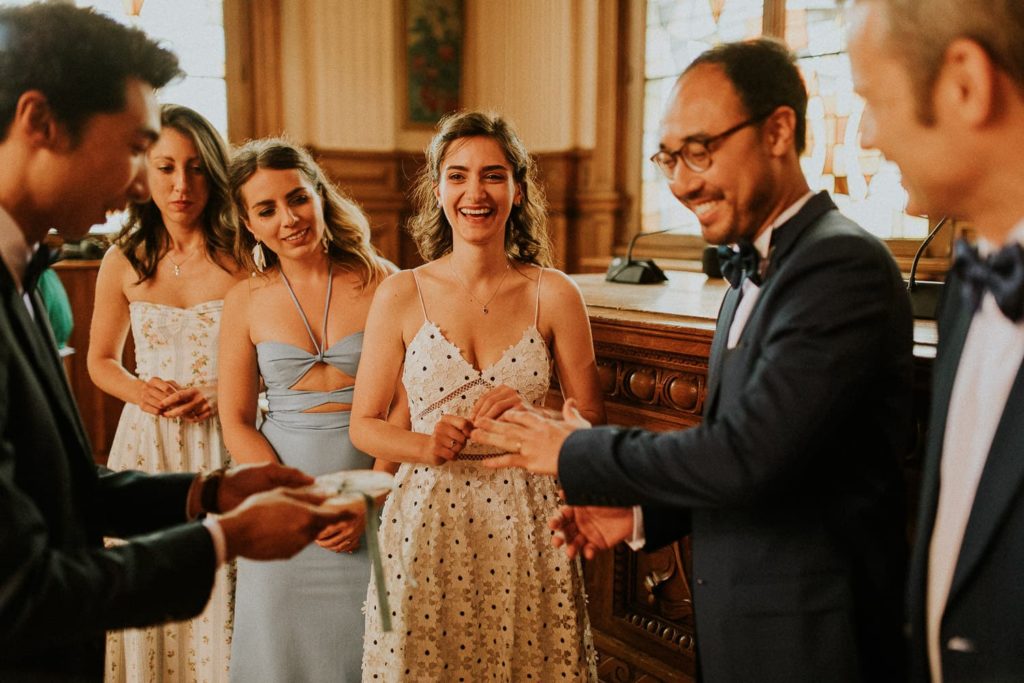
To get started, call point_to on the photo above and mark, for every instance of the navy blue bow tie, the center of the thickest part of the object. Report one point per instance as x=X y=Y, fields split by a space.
x=739 y=263
x=1001 y=273
x=41 y=260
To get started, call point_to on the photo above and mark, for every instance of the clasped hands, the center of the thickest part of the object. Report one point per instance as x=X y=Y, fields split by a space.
x=166 y=398
x=272 y=512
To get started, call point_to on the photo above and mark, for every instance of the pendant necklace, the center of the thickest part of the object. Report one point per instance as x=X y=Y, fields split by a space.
x=177 y=266
x=483 y=304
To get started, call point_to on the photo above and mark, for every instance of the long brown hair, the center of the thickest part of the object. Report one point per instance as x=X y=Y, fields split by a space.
x=348 y=230
x=526 y=234
x=144 y=239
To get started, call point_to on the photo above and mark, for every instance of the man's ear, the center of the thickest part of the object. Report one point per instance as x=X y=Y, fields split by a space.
x=35 y=121
x=780 y=131
x=966 y=83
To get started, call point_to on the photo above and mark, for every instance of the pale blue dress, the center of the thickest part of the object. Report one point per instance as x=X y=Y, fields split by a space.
x=300 y=620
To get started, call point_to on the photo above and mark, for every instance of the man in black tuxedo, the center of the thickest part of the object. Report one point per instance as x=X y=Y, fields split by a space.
x=943 y=83
x=790 y=487
x=77 y=114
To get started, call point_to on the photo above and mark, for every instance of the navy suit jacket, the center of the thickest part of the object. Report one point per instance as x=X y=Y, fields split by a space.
x=982 y=628
x=791 y=485
x=59 y=587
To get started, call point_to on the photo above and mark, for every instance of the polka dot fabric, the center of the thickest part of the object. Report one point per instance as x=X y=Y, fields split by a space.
x=476 y=590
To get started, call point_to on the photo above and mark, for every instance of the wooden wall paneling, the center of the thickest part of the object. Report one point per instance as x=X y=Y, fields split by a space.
x=100 y=411
x=253 y=71
x=374 y=180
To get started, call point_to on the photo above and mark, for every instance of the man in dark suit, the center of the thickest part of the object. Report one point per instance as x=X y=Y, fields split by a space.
x=790 y=487
x=943 y=83
x=77 y=114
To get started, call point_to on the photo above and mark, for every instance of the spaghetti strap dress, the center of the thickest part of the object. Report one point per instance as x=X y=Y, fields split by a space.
x=476 y=590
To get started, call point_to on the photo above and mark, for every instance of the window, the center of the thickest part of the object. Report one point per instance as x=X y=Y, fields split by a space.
x=863 y=183
x=193 y=30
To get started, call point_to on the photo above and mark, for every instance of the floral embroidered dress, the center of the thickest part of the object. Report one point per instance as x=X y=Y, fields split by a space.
x=177 y=344
x=476 y=591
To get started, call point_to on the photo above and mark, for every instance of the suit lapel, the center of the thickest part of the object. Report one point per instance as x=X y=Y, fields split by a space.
x=725 y=318
x=785 y=237
x=954 y=322
x=999 y=487
x=37 y=340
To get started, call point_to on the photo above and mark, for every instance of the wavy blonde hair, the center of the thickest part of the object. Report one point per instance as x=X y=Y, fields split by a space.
x=526 y=234
x=348 y=230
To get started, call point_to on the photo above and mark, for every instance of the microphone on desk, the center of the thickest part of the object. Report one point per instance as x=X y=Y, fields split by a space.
x=924 y=296
x=640 y=272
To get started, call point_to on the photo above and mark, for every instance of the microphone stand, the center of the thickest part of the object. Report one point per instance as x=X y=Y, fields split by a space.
x=924 y=295
x=642 y=272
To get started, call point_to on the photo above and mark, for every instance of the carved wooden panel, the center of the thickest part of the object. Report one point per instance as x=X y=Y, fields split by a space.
x=641 y=609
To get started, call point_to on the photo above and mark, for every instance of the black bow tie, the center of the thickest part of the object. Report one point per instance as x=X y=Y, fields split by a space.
x=1001 y=273
x=42 y=260
x=739 y=263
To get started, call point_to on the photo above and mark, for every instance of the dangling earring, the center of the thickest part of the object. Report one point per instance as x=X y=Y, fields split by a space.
x=326 y=241
x=258 y=257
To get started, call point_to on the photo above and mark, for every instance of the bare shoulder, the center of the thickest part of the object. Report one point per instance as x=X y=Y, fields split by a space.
x=397 y=287
x=245 y=291
x=558 y=289
x=114 y=260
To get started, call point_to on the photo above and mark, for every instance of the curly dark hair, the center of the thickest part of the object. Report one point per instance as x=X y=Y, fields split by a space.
x=526 y=235
x=764 y=73
x=143 y=239
x=78 y=59
x=348 y=229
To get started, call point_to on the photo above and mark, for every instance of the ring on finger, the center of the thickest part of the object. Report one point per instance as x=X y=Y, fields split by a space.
x=452 y=445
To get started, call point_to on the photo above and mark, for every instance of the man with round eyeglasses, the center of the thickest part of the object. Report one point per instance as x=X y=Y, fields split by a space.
x=791 y=486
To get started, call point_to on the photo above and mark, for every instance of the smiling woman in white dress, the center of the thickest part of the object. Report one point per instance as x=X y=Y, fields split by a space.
x=476 y=590
x=165 y=279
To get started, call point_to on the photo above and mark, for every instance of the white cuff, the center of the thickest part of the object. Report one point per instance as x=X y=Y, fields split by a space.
x=220 y=544
x=638 y=540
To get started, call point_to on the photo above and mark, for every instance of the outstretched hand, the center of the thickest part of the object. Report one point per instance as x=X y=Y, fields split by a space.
x=586 y=530
x=243 y=481
x=276 y=524
x=496 y=402
x=531 y=439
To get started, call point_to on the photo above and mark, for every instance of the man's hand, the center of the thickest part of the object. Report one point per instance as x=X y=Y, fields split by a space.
x=495 y=402
x=276 y=524
x=588 y=529
x=532 y=440
x=241 y=482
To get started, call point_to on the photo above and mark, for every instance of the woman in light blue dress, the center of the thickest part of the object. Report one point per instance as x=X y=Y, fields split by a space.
x=297 y=324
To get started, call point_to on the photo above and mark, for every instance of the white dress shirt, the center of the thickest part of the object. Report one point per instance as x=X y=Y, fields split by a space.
x=751 y=291
x=991 y=356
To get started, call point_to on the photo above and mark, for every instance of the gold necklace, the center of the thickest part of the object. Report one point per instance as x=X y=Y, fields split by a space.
x=483 y=304
x=177 y=266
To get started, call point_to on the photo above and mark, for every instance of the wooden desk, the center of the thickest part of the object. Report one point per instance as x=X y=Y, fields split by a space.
x=652 y=344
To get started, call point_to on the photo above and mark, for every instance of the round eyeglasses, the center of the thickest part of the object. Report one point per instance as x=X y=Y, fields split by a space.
x=695 y=151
